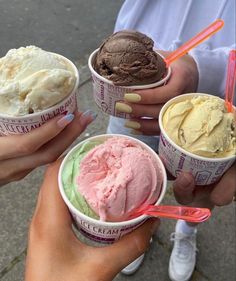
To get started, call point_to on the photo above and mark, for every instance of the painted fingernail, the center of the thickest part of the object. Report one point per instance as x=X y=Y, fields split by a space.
x=132 y=97
x=122 y=107
x=136 y=132
x=132 y=124
x=65 y=120
x=87 y=117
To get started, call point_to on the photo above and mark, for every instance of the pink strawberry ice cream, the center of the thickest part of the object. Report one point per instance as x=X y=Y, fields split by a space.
x=118 y=176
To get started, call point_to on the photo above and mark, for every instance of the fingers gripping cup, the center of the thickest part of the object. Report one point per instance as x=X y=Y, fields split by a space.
x=104 y=179
x=35 y=86
x=125 y=62
x=198 y=135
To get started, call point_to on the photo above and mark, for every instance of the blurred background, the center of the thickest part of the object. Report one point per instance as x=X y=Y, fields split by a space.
x=74 y=28
x=71 y=28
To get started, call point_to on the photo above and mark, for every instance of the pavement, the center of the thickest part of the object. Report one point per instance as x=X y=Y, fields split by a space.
x=74 y=28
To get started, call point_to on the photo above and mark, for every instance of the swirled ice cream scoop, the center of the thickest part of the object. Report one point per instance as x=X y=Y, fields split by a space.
x=32 y=79
x=127 y=58
x=112 y=179
x=117 y=177
x=202 y=125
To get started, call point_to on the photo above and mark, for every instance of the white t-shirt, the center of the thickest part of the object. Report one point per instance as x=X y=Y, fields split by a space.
x=170 y=23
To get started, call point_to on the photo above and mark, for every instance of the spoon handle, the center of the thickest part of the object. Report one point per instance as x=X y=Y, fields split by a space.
x=200 y=37
x=230 y=80
x=189 y=214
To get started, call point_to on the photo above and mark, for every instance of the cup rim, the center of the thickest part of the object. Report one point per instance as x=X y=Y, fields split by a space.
x=137 y=87
x=198 y=157
x=105 y=223
x=52 y=108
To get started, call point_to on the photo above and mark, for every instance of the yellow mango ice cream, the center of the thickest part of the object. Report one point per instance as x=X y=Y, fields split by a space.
x=202 y=125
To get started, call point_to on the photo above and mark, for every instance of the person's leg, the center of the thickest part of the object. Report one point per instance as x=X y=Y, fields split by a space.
x=183 y=257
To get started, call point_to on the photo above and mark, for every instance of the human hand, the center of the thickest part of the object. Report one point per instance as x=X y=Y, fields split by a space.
x=20 y=154
x=148 y=103
x=55 y=254
x=220 y=194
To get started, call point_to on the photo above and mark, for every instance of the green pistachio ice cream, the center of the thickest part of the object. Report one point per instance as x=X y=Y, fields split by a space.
x=69 y=177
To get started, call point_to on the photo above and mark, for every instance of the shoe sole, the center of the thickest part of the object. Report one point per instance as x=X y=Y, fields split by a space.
x=134 y=268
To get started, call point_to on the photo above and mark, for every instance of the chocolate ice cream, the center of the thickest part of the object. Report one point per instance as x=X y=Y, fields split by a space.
x=127 y=58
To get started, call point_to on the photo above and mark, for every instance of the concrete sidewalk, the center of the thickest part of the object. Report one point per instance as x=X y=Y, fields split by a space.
x=65 y=28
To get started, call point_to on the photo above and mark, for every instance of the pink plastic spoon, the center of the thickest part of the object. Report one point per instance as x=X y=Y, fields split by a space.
x=200 y=37
x=189 y=214
x=230 y=80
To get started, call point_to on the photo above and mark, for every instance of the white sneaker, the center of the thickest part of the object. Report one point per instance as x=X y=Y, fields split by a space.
x=133 y=266
x=183 y=256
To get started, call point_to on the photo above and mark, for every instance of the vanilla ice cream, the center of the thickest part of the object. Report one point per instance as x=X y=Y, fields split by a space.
x=32 y=80
x=201 y=125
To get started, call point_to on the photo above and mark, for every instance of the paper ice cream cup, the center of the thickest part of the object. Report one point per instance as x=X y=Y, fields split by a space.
x=10 y=125
x=100 y=231
x=106 y=94
x=176 y=159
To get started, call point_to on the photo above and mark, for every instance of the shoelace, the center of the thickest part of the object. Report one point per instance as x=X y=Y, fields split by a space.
x=184 y=242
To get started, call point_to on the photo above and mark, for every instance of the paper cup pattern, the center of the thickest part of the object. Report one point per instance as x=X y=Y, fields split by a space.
x=205 y=170
x=107 y=232
x=106 y=94
x=10 y=125
x=102 y=233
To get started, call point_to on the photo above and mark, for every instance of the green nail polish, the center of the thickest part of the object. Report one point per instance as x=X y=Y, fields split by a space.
x=132 y=97
x=122 y=107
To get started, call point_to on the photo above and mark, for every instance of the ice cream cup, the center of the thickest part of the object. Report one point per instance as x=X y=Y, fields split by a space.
x=100 y=231
x=10 y=125
x=106 y=94
x=176 y=159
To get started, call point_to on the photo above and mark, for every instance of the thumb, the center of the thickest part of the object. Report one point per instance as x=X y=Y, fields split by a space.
x=184 y=186
x=132 y=245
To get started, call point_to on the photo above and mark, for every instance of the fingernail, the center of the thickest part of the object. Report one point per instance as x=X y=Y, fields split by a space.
x=122 y=107
x=132 y=124
x=132 y=97
x=136 y=132
x=87 y=117
x=65 y=120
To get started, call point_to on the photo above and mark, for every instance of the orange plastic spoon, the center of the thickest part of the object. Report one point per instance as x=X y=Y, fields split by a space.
x=190 y=214
x=230 y=81
x=200 y=37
